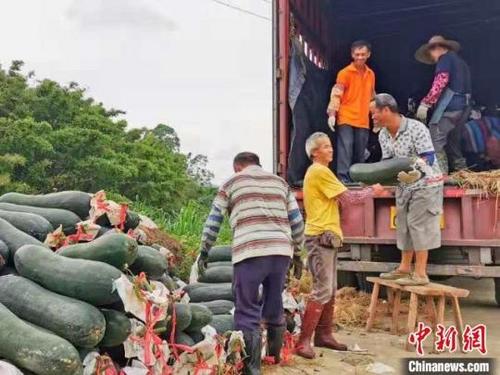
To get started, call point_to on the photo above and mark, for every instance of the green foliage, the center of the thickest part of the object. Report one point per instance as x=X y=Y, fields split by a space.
x=56 y=138
x=8 y=164
x=186 y=227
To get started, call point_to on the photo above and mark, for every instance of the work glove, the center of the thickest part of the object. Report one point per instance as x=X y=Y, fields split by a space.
x=331 y=123
x=422 y=112
x=410 y=177
x=202 y=262
x=297 y=266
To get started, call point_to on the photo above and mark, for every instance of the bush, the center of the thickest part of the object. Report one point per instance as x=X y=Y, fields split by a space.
x=186 y=226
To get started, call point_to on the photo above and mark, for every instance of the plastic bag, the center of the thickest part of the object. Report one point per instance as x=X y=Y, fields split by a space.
x=9 y=369
x=135 y=305
x=193 y=276
x=136 y=368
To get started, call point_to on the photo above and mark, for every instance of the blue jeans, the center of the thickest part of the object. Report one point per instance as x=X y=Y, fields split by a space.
x=351 y=146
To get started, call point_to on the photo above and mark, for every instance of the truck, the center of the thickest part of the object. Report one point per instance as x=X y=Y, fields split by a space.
x=311 y=42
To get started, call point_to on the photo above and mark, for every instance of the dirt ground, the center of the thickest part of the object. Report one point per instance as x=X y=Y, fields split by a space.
x=479 y=307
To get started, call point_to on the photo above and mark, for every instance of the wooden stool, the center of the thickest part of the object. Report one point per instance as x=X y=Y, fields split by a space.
x=429 y=291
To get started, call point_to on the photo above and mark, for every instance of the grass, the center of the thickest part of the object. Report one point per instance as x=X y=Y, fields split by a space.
x=186 y=226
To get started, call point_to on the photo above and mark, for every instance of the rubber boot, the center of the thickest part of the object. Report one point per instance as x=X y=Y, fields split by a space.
x=323 y=336
x=253 y=344
x=275 y=342
x=312 y=314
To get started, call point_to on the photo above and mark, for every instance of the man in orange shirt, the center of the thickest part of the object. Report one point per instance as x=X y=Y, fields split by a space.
x=349 y=108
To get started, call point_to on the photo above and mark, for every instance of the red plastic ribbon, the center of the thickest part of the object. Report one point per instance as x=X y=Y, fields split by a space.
x=172 y=334
x=150 y=338
x=105 y=366
x=123 y=216
x=269 y=360
x=218 y=350
x=201 y=365
x=80 y=235
x=101 y=204
x=288 y=348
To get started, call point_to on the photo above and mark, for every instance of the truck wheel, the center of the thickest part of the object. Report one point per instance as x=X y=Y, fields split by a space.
x=346 y=278
x=497 y=290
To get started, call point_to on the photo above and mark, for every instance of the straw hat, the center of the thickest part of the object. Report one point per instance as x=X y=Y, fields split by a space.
x=423 y=53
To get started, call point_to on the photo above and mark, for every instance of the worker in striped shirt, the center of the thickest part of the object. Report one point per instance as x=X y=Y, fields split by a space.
x=267 y=231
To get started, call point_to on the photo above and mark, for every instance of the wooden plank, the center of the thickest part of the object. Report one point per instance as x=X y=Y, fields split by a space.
x=388 y=283
x=431 y=289
x=440 y=309
x=395 y=312
x=373 y=307
x=412 y=316
x=431 y=310
x=459 y=324
x=390 y=299
x=432 y=269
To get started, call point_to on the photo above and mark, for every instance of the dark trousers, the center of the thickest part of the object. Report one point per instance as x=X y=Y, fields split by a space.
x=249 y=274
x=351 y=146
x=447 y=140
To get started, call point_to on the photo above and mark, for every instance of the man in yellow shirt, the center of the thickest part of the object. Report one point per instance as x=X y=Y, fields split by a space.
x=322 y=194
x=349 y=108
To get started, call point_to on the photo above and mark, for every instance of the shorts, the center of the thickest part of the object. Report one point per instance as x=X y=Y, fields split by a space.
x=418 y=218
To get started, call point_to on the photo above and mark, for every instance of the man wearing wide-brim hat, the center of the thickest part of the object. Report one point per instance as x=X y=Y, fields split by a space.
x=449 y=97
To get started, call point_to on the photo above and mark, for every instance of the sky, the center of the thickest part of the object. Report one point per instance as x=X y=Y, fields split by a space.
x=198 y=66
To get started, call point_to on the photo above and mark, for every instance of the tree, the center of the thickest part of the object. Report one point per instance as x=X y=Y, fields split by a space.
x=197 y=169
x=167 y=135
x=56 y=138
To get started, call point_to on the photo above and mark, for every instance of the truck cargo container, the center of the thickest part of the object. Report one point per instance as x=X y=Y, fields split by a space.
x=311 y=42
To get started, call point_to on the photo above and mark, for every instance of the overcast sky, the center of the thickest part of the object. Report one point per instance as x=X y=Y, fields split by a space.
x=198 y=66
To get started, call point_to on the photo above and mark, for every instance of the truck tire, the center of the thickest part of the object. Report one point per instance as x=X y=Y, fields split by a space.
x=497 y=290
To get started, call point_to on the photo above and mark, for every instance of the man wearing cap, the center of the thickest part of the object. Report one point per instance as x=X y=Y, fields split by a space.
x=349 y=108
x=449 y=96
